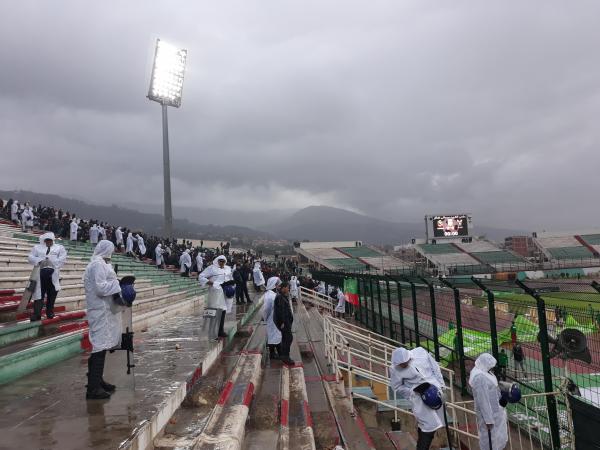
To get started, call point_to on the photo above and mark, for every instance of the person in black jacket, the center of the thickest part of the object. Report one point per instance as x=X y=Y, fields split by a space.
x=283 y=318
x=238 y=276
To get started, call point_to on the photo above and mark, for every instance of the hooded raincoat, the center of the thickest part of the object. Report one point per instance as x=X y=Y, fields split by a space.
x=57 y=256
x=158 y=254
x=141 y=244
x=129 y=246
x=294 y=287
x=119 y=236
x=257 y=275
x=341 y=305
x=103 y=315
x=94 y=233
x=422 y=368
x=273 y=333
x=185 y=260
x=487 y=396
x=73 y=230
x=216 y=296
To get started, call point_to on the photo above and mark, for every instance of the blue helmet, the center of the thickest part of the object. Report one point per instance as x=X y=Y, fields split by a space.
x=430 y=395
x=228 y=290
x=509 y=392
x=128 y=293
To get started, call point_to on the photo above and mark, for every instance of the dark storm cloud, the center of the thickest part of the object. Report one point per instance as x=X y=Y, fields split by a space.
x=394 y=109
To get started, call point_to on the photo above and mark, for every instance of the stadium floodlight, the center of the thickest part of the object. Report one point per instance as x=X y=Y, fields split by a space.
x=166 y=86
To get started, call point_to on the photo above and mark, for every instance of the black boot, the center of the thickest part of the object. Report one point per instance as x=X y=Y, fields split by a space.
x=272 y=352
x=37 y=311
x=110 y=388
x=95 y=391
x=222 y=325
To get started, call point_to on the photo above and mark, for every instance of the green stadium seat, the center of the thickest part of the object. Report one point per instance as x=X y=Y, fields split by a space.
x=359 y=252
x=439 y=248
x=570 y=252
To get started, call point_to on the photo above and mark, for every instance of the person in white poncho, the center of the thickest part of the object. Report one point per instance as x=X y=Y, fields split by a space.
x=273 y=333
x=185 y=263
x=257 y=276
x=409 y=370
x=104 y=316
x=214 y=276
x=491 y=416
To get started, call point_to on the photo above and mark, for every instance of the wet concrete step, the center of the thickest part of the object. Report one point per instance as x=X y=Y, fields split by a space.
x=17 y=331
x=188 y=422
x=352 y=429
x=299 y=423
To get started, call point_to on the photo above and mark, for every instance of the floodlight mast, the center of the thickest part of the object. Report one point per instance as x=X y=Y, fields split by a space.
x=166 y=86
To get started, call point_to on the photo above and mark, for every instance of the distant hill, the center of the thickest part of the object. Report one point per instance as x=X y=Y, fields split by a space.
x=324 y=223
x=149 y=223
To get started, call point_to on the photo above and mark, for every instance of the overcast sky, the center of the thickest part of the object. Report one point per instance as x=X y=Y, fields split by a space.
x=391 y=108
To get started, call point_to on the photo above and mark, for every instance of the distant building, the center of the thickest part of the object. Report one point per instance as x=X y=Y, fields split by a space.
x=521 y=245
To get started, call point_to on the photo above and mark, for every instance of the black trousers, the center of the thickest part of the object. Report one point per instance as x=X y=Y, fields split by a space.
x=239 y=297
x=245 y=293
x=286 y=342
x=49 y=292
x=425 y=439
x=96 y=370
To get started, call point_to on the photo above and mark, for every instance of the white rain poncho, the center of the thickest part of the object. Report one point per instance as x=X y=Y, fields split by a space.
x=158 y=254
x=94 y=233
x=294 y=287
x=257 y=275
x=14 y=211
x=57 y=256
x=216 y=297
x=185 y=261
x=199 y=262
x=341 y=305
x=100 y=283
x=487 y=396
x=129 y=244
x=119 y=236
x=73 y=230
x=422 y=368
x=27 y=217
x=141 y=244
x=273 y=333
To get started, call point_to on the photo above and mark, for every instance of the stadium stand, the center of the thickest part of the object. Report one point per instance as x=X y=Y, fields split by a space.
x=349 y=257
x=568 y=247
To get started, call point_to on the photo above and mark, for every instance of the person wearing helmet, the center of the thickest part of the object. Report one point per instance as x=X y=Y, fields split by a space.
x=416 y=376
x=273 y=333
x=491 y=416
x=214 y=276
x=50 y=258
x=104 y=310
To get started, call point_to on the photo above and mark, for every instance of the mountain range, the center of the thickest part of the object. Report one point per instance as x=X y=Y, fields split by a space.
x=314 y=223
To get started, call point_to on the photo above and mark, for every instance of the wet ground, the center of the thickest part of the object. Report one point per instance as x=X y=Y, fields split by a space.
x=48 y=410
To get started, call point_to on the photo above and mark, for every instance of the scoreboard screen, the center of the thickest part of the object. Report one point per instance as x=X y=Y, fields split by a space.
x=450 y=226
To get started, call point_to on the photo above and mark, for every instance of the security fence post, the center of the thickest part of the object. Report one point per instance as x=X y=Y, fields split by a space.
x=400 y=312
x=436 y=341
x=373 y=318
x=546 y=365
x=381 y=327
x=365 y=305
x=459 y=337
x=492 y=314
x=389 y=307
x=358 y=313
x=413 y=292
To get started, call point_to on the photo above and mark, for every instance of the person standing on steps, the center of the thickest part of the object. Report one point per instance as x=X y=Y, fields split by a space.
x=273 y=332
x=214 y=276
x=102 y=294
x=284 y=318
x=185 y=263
x=410 y=371
x=73 y=228
x=491 y=415
x=50 y=258
x=257 y=275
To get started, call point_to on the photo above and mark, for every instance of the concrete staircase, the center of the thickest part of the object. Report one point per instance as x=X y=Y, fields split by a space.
x=28 y=346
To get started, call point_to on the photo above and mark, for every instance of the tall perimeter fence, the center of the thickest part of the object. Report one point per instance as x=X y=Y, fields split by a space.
x=458 y=319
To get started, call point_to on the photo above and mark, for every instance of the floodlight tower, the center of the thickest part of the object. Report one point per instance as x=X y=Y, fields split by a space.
x=166 y=85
